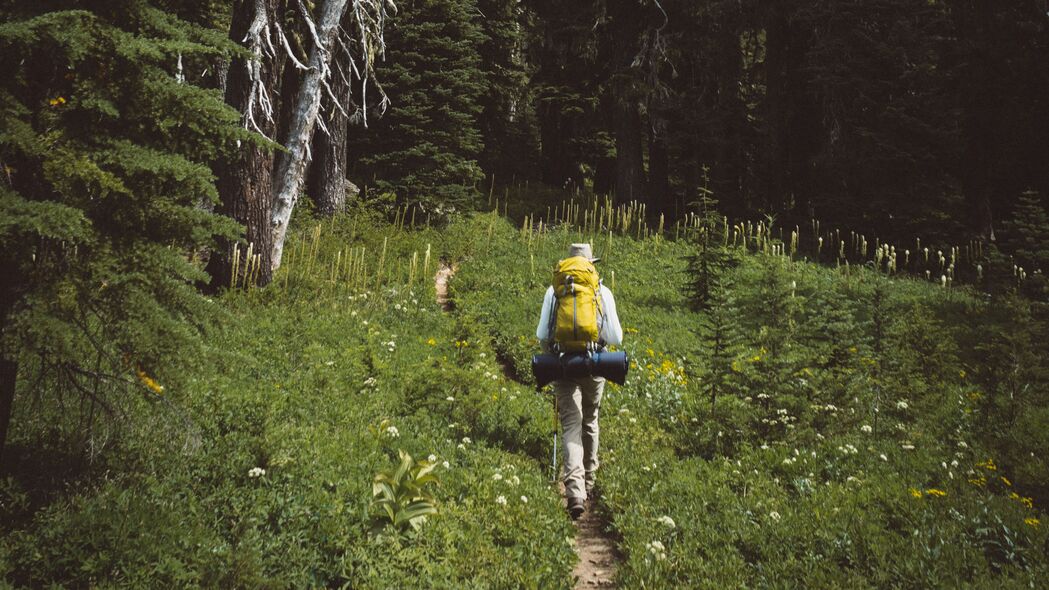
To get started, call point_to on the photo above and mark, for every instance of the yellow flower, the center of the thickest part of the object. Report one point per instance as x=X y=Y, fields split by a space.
x=936 y=492
x=431 y=342
x=1032 y=521
x=988 y=465
x=651 y=352
x=916 y=493
x=1006 y=481
x=1027 y=502
x=149 y=381
x=736 y=367
x=57 y=101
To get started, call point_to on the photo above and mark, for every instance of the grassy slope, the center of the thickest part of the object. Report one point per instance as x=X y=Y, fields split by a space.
x=777 y=484
x=780 y=483
x=305 y=383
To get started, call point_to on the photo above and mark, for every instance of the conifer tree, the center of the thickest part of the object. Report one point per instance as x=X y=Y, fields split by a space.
x=425 y=148
x=507 y=151
x=104 y=151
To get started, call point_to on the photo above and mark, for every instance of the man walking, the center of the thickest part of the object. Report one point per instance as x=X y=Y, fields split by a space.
x=578 y=317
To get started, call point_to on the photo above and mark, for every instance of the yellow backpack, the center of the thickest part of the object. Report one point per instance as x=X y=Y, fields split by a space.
x=577 y=290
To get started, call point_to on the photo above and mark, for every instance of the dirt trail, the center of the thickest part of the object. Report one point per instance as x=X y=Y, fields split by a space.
x=597 y=553
x=598 y=557
x=440 y=284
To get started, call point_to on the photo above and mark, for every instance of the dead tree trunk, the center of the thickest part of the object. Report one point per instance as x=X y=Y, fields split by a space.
x=326 y=184
x=245 y=180
x=290 y=175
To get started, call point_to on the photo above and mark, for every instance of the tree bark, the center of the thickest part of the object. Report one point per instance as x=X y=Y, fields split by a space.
x=8 y=379
x=291 y=172
x=326 y=184
x=245 y=182
x=659 y=163
x=630 y=173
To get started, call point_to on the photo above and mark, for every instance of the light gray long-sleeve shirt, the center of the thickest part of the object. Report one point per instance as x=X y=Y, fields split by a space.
x=608 y=326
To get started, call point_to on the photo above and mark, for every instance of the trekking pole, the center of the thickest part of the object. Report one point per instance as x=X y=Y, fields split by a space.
x=553 y=462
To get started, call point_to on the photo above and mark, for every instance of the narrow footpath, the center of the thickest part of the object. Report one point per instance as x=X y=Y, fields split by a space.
x=597 y=553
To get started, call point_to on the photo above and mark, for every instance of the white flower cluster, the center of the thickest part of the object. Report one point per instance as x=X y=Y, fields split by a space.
x=256 y=472
x=658 y=551
x=848 y=449
x=866 y=428
x=501 y=500
x=902 y=405
x=390 y=346
x=392 y=432
x=775 y=516
x=666 y=521
x=825 y=408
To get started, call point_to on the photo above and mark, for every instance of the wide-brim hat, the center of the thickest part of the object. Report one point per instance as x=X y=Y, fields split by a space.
x=583 y=250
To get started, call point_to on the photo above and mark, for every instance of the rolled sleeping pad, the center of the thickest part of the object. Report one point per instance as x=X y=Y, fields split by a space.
x=552 y=367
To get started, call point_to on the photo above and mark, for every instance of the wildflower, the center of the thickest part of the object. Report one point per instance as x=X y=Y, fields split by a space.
x=657 y=549
x=497 y=477
x=392 y=432
x=501 y=500
x=445 y=465
x=916 y=493
x=883 y=457
x=431 y=342
x=988 y=465
x=901 y=405
x=149 y=382
x=935 y=492
x=633 y=420
x=866 y=428
x=1006 y=481
x=907 y=447
x=524 y=499
x=666 y=521
x=483 y=355
x=775 y=516
x=256 y=472
x=1031 y=521
x=450 y=399
x=432 y=458
x=466 y=440
x=515 y=480
x=369 y=381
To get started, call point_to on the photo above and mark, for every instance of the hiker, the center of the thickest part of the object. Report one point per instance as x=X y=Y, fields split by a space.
x=578 y=316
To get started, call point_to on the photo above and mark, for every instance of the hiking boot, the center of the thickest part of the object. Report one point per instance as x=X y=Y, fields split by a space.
x=576 y=507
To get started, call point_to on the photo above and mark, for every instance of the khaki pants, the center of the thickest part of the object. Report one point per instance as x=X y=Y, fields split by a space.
x=578 y=402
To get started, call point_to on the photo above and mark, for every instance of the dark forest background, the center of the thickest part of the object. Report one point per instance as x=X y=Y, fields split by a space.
x=897 y=117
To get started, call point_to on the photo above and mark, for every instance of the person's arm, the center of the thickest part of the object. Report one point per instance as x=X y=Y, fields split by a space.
x=542 y=332
x=611 y=331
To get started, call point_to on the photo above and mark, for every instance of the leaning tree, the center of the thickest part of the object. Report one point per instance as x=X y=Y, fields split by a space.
x=263 y=186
